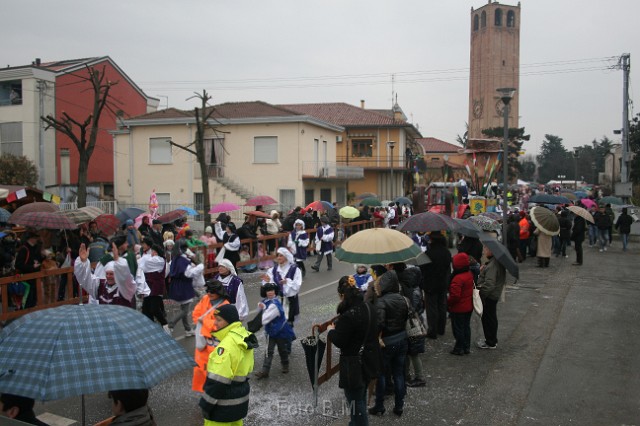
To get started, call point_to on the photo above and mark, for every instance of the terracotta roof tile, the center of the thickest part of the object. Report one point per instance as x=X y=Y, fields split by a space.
x=344 y=114
x=437 y=145
x=164 y=114
x=252 y=109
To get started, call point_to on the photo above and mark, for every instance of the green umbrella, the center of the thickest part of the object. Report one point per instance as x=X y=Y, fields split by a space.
x=371 y=202
x=611 y=200
x=349 y=212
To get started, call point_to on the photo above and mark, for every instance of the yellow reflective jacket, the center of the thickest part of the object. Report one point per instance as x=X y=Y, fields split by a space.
x=226 y=390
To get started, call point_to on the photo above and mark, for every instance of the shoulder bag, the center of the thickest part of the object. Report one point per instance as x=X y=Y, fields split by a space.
x=414 y=327
x=477 y=301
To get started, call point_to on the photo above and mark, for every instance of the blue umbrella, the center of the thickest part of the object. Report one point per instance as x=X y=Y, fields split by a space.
x=74 y=350
x=189 y=210
x=4 y=215
x=129 y=213
x=580 y=194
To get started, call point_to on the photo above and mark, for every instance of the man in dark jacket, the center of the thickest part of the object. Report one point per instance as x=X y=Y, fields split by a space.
x=29 y=260
x=436 y=276
x=577 y=236
x=18 y=408
x=603 y=222
x=565 y=233
x=623 y=226
x=392 y=318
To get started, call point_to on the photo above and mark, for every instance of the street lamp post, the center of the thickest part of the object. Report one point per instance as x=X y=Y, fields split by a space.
x=506 y=94
x=576 y=155
x=391 y=145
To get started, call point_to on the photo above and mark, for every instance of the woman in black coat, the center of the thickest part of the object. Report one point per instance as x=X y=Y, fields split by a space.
x=354 y=332
x=577 y=236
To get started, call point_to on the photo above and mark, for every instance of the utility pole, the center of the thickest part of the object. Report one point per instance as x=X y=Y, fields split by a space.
x=626 y=68
x=42 y=86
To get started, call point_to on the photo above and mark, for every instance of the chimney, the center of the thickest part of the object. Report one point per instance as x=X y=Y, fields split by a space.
x=37 y=62
x=362 y=103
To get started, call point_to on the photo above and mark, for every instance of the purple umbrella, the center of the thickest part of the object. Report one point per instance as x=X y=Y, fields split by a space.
x=224 y=207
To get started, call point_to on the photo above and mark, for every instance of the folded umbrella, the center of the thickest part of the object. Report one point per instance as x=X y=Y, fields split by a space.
x=545 y=220
x=428 y=222
x=378 y=246
x=84 y=349
x=579 y=211
x=501 y=254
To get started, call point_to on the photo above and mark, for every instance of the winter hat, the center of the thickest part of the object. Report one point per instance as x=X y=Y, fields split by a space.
x=227 y=264
x=229 y=313
x=169 y=243
x=461 y=261
x=208 y=229
x=286 y=253
x=274 y=213
x=299 y=222
x=129 y=222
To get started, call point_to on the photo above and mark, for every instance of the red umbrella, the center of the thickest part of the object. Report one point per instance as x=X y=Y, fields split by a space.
x=257 y=213
x=171 y=216
x=224 y=207
x=261 y=200
x=319 y=205
x=108 y=224
x=43 y=220
x=38 y=206
x=587 y=202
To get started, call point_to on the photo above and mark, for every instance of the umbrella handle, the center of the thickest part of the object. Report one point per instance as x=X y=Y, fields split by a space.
x=316 y=334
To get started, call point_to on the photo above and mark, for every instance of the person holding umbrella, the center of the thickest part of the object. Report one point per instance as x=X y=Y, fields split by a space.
x=493 y=277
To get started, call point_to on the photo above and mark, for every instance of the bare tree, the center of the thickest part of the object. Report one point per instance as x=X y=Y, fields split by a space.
x=84 y=134
x=203 y=115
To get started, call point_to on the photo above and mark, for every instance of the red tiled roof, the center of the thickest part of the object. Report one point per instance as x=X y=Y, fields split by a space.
x=437 y=145
x=252 y=109
x=229 y=110
x=344 y=114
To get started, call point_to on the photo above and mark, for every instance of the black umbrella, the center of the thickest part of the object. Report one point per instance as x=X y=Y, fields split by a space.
x=427 y=222
x=501 y=254
x=313 y=353
x=467 y=228
x=549 y=199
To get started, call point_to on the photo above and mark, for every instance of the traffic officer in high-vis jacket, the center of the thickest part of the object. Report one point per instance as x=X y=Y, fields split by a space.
x=226 y=391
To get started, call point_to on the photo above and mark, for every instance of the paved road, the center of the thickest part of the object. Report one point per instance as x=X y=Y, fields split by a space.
x=568 y=345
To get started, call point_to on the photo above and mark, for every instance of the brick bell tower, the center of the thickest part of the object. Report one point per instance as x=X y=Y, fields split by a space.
x=495 y=63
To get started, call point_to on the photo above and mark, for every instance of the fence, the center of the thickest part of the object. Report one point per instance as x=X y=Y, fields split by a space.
x=110 y=207
x=207 y=255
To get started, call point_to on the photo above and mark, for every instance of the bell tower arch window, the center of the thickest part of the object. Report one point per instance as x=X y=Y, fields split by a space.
x=476 y=22
x=511 y=19
x=483 y=19
x=498 y=18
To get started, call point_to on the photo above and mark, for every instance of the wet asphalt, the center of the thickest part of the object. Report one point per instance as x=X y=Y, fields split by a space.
x=567 y=354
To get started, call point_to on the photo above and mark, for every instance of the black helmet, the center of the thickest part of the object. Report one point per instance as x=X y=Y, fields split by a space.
x=269 y=286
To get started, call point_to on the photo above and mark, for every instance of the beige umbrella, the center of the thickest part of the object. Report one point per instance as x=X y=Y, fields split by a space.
x=545 y=220
x=583 y=213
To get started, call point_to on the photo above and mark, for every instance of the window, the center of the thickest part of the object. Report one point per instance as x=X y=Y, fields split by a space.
x=288 y=199
x=325 y=194
x=65 y=166
x=11 y=138
x=265 y=150
x=341 y=195
x=362 y=148
x=11 y=92
x=483 y=19
x=476 y=22
x=308 y=196
x=214 y=151
x=511 y=18
x=160 y=151
x=198 y=204
x=498 y=17
x=164 y=202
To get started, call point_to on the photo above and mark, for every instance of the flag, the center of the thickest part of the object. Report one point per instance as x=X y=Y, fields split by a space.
x=55 y=199
x=11 y=197
x=153 y=205
x=21 y=193
x=46 y=196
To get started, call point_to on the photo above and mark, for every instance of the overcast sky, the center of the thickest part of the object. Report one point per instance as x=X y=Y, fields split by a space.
x=299 y=51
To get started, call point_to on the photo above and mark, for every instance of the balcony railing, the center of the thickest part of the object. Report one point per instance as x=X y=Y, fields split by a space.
x=330 y=170
x=371 y=162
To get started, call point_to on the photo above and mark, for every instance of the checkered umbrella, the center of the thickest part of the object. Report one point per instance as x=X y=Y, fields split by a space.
x=485 y=223
x=43 y=220
x=38 y=206
x=83 y=214
x=82 y=349
x=108 y=224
